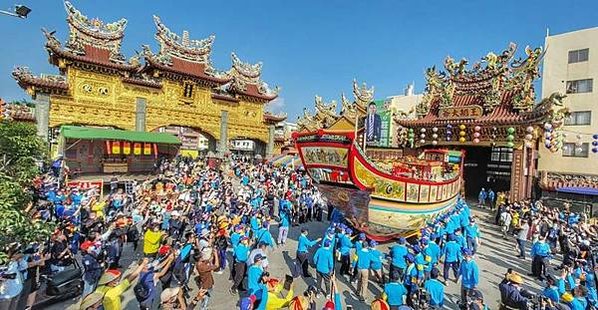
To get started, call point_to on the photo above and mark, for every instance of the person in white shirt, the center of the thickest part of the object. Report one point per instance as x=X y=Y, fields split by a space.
x=505 y=222
x=522 y=238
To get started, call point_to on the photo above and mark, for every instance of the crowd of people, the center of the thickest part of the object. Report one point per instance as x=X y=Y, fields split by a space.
x=561 y=256
x=193 y=221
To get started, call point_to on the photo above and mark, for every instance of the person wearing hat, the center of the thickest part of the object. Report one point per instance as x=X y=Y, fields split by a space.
x=92 y=301
x=264 y=235
x=452 y=256
x=397 y=255
x=112 y=288
x=470 y=275
x=324 y=266
x=435 y=288
x=261 y=250
x=92 y=270
x=431 y=253
x=283 y=226
x=303 y=251
x=514 y=296
x=172 y=298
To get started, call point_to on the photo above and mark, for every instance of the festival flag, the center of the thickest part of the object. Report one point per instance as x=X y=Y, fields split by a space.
x=115 y=147
x=126 y=147
x=137 y=148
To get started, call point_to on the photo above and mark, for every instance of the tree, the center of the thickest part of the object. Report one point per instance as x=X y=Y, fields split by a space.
x=22 y=153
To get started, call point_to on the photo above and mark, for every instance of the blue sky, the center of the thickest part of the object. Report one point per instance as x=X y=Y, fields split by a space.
x=311 y=46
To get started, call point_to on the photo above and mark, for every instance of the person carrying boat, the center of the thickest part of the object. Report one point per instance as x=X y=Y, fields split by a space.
x=397 y=255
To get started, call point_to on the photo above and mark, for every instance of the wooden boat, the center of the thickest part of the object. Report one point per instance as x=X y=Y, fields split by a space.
x=384 y=198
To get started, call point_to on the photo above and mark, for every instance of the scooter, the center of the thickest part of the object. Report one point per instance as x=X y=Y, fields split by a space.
x=60 y=286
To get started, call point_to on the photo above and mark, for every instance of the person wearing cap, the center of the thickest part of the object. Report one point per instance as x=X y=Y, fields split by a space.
x=345 y=246
x=112 y=288
x=435 y=288
x=470 y=275
x=241 y=254
x=477 y=300
x=431 y=253
x=472 y=235
x=397 y=255
x=254 y=274
x=410 y=279
x=148 y=278
x=92 y=270
x=421 y=263
x=303 y=251
x=264 y=235
x=261 y=250
x=394 y=292
x=324 y=266
x=452 y=256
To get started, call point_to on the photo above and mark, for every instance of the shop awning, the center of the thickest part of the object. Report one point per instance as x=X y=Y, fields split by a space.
x=578 y=190
x=90 y=133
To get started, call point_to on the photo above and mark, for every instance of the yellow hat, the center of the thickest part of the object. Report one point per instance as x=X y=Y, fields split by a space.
x=91 y=300
x=516 y=278
x=567 y=297
x=169 y=293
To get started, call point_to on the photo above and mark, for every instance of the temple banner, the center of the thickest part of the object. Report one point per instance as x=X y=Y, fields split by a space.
x=85 y=185
x=329 y=156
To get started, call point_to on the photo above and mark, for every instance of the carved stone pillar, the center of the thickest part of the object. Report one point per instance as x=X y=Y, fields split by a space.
x=140 y=112
x=223 y=147
x=270 y=147
x=42 y=114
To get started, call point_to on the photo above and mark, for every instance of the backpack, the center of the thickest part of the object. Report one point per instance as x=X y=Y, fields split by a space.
x=140 y=290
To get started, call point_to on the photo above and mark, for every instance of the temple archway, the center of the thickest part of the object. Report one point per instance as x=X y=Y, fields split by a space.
x=195 y=141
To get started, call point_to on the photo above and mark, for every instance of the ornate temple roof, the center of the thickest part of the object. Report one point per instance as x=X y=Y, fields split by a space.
x=274 y=118
x=496 y=90
x=53 y=84
x=246 y=81
x=90 y=42
x=182 y=56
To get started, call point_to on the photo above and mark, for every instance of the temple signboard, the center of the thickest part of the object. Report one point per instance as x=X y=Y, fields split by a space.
x=464 y=112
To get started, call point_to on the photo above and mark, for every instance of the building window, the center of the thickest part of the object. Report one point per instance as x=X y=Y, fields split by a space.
x=570 y=150
x=579 y=118
x=501 y=154
x=579 y=86
x=579 y=55
x=188 y=90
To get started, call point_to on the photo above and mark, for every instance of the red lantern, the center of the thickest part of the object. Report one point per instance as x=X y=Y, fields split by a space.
x=126 y=147
x=115 y=147
x=137 y=148
x=147 y=149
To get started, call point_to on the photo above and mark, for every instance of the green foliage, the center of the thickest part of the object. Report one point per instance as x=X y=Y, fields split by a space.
x=21 y=152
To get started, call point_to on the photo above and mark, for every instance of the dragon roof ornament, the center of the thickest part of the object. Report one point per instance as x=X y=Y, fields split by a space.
x=94 y=32
x=325 y=112
x=363 y=95
x=307 y=121
x=244 y=74
x=173 y=45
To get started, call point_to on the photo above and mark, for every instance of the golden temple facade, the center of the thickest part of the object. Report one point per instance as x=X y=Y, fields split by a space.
x=98 y=86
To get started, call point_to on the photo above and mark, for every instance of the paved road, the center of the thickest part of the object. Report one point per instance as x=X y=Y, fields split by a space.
x=494 y=257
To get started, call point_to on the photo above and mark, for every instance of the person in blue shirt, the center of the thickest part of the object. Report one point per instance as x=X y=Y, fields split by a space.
x=376 y=262
x=452 y=256
x=254 y=224
x=303 y=252
x=432 y=253
x=540 y=254
x=345 y=246
x=491 y=197
x=395 y=293
x=470 y=275
x=420 y=262
x=264 y=235
x=324 y=266
x=435 y=289
x=254 y=274
x=460 y=238
x=329 y=236
x=551 y=291
x=283 y=226
x=241 y=254
x=364 y=259
x=397 y=256
x=472 y=235
x=410 y=279
x=482 y=198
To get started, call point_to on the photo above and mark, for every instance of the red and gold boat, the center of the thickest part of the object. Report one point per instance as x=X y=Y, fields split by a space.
x=383 y=197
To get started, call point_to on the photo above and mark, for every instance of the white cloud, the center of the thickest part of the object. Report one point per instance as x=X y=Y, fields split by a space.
x=276 y=106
